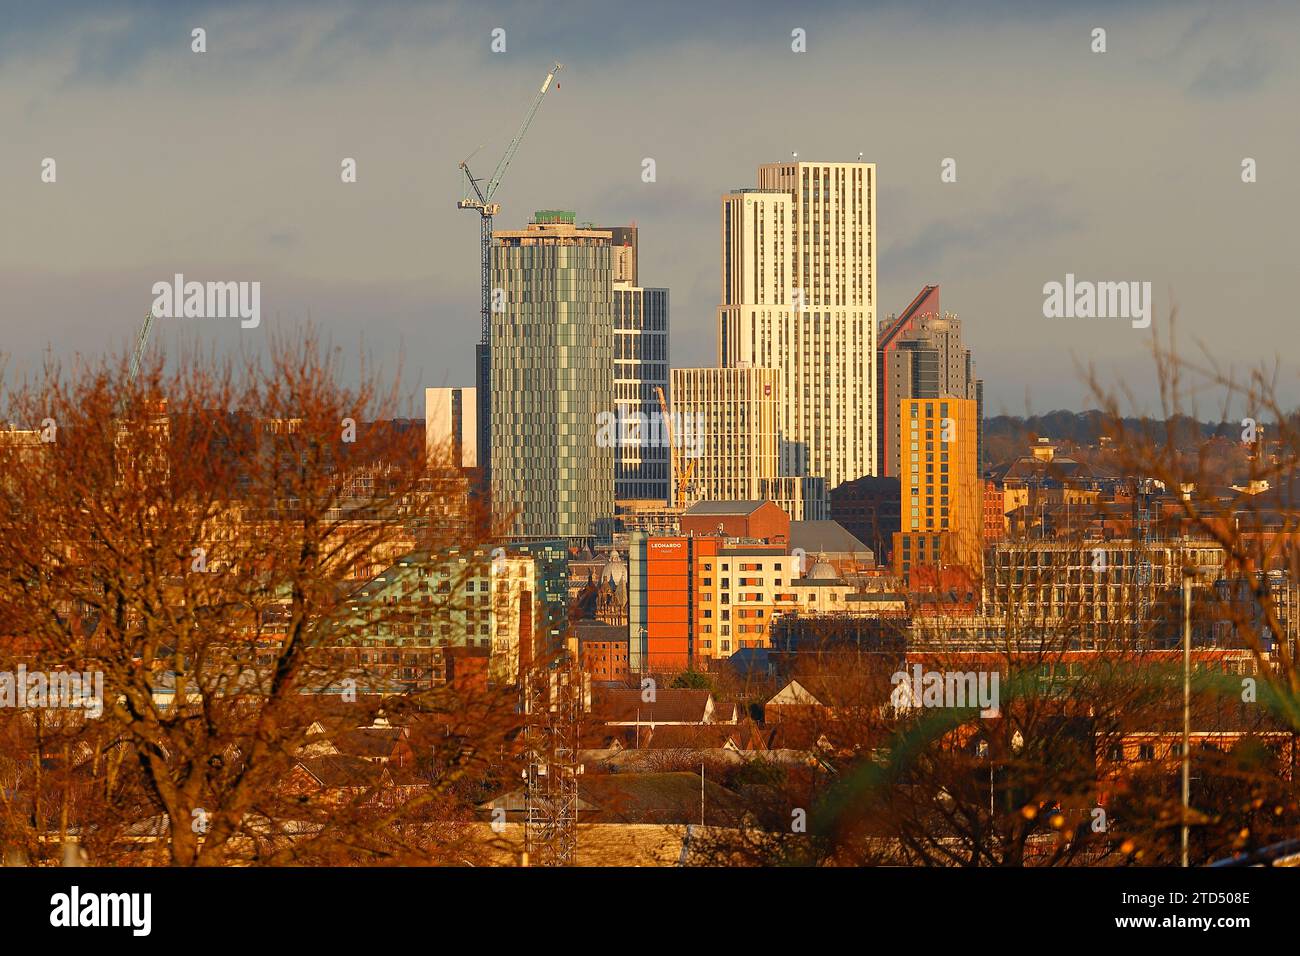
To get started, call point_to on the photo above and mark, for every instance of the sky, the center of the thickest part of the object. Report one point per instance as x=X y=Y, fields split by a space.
x=225 y=166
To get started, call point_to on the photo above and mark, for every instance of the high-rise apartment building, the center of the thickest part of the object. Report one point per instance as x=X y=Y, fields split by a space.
x=799 y=296
x=733 y=423
x=552 y=377
x=921 y=355
x=642 y=469
x=942 y=494
x=450 y=425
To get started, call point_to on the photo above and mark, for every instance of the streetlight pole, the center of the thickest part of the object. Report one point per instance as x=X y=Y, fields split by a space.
x=1187 y=701
x=983 y=750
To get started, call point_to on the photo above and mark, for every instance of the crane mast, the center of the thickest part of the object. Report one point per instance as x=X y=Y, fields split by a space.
x=679 y=474
x=137 y=357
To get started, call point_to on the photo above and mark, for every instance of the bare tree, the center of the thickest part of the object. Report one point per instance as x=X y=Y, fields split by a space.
x=201 y=540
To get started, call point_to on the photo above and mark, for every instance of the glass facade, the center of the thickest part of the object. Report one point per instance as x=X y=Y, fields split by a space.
x=641 y=468
x=552 y=375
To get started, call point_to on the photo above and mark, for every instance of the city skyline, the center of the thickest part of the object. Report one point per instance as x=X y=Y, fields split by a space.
x=857 y=437
x=250 y=198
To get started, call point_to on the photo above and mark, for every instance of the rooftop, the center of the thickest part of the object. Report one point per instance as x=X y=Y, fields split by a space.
x=724 y=507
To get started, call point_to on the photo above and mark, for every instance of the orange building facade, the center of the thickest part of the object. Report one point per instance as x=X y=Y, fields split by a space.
x=698 y=599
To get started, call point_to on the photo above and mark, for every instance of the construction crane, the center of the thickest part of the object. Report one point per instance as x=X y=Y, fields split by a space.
x=681 y=477
x=137 y=357
x=480 y=199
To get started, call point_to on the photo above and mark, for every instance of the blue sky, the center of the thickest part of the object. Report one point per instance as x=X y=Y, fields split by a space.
x=225 y=165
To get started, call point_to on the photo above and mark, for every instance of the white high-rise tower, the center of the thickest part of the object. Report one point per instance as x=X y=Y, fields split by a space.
x=799 y=296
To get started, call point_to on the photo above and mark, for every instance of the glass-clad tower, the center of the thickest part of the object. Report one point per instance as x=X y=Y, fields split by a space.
x=552 y=377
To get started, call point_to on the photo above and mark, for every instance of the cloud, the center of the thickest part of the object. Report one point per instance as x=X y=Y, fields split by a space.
x=226 y=164
x=1025 y=216
x=1245 y=72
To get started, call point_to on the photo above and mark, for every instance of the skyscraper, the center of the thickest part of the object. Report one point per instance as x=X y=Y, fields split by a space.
x=798 y=296
x=641 y=466
x=922 y=356
x=942 y=494
x=552 y=376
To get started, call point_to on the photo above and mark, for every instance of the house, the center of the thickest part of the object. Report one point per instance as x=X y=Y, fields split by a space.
x=805 y=696
x=337 y=778
x=380 y=742
x=628 y=706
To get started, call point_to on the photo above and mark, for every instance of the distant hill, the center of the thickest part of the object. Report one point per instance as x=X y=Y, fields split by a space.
x=1007 y=437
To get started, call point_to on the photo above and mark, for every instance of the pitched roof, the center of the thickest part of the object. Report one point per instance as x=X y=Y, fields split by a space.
x=829 y=536
x=724 y=507
x=926 y=302
x=829 y=690
x=670 y=705
x=370 y=742
x=702 y=737
x=607 y=737
x=342 y=770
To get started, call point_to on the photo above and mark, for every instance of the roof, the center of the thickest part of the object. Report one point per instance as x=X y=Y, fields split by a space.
x=822 y=573
x=702 y=737
x=830 y=690
x=829 y=536
x=342 y=770
x=926 y=302
x=671 y=705
x=749 y=659
x=586 y=631
x=1030 y=469
x=724 y=507
x=369 y=742
x=605 y=737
